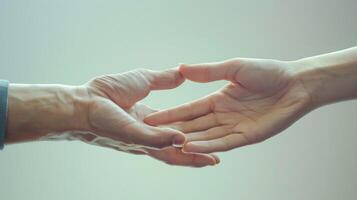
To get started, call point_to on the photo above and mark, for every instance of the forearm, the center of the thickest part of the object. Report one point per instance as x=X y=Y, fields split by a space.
x=37 y=110
x=330 y=77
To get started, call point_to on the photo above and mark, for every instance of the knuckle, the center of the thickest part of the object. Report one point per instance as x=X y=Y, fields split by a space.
x=103 y=82
x=98 y=79
x=141 y=70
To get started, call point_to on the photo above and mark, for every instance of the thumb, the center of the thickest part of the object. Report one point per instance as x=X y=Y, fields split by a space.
x=207 y=72
x=167 y=79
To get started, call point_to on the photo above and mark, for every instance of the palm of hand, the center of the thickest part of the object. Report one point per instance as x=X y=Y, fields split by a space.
x=262 y=99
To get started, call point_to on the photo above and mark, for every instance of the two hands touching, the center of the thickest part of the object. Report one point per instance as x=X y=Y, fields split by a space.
x=262 y=98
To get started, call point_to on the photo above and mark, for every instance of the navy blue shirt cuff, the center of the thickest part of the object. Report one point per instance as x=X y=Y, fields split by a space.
x=4 y=85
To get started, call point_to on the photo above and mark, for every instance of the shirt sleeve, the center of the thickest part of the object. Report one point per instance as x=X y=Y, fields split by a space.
x=4 y=85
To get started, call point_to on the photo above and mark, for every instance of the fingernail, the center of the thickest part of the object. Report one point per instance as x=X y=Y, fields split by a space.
x=177 y=145
x=178 y=140
x=218 y=161
x=187 y=148
x=215 y=162
x=216 y=158
x=181 y=65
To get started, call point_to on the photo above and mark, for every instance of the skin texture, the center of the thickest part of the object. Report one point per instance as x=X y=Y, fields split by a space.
x=262 y=98
x=105 y=112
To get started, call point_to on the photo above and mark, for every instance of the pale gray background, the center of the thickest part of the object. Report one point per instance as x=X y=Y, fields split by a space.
x=71 y=41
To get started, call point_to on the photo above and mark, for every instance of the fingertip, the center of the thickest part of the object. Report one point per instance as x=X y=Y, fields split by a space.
x=174 y=137
x=197 y=147
x=152 y=119
x=216 y=158
x=177 y=70
x=183 y=68
x=182 y=65
x=208 y=160
x=179 y=140
x=167 y=79
x=195 y=72
x=188 y=148
x=148 y=120
x=179 y=78
x=205 y=160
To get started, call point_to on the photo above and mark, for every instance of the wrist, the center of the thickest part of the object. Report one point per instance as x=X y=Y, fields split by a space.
x=328 y=78
x=309 y=77
x=38 y=110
